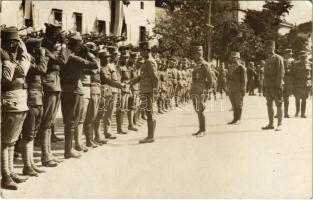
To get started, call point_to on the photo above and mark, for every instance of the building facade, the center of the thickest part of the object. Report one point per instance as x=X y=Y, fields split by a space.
x=136 y=20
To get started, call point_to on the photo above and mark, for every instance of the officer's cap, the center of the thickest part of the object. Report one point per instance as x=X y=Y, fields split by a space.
x=235 y=54
x=9 y=33
x=288 y=51
x=125 y=54
x=104 y=53
x=270 y=43
x=32 y=43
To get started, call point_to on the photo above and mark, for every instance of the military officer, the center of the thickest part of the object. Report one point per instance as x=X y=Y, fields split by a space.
x=302 y=73
x=251 y=74
x=288 y=79
x=72 y=90
x=15 y=65
x=261 y=77
x=237 y=81
x=31 y=125
x=273 y=84
x=149 y=84
x=52 y=91
x=222 y=80
x=202 y=80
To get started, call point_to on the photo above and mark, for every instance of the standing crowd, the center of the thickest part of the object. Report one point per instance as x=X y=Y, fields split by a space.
x=91 y=82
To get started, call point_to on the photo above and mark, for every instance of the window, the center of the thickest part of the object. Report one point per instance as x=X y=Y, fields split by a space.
x=101 y=27
x=57 y=14
x=78 y=19
x=142 y=5
x=142 y=33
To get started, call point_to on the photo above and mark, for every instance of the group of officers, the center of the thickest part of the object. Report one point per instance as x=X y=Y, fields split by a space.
x=90 y=82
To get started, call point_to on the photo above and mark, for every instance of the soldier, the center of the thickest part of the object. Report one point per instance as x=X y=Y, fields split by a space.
x=261 y=77
x=251 y=73
x=133 y=102
x=32 y=122
x=15 y=65
x=202 y=80
x=222 y=80
x=110 y=72
x=214 y=83
x=288 y=79
x=273 y=84
x=237 y=82
x=149 y=84
x=163 y=89
x=169 y=84
x=72 y=90
x=52 y=91
x=302 y=72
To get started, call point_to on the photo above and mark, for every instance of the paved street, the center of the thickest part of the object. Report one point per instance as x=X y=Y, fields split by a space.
x=229 y=162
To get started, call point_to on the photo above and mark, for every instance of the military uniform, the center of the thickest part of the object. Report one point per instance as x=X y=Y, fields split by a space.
x=237 y=81
x=163 y=90
x=35 y=96
x=15 y=66
x=148 y=84
x=73 y=94
x=222 y=81
x=302 y=74
x=273 y=87
x=251 y=74
x=260 y=79
x=202 y=80
x=288 y=81
x=52 y=91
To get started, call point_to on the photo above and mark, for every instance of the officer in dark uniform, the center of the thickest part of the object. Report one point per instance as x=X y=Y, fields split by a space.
x=251 y=74
x=288 y=79
x=237 y=82
x=302 y=73
x=149 y=85
x=32 y=122
x=72 y=89
x=202 y=80
x=15 y=64
x=52 y=91
x=273 y=84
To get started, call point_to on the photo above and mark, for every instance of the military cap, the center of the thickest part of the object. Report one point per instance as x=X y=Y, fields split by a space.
x=9 y=33
x=198 y=48
x=113 y=50
x=270 y=43
x=145 y=45
x=32 y=43
x=134 y=54
x=53 y=27
x=288 y=51
x=125 y=54
x=104 y=53
x=235 y=54
x=92 y=46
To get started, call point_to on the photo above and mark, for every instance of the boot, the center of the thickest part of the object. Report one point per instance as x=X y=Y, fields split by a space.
x=136 y=117
x=89 y=137
x=234 y=117
x=69 y=152
x=78 y=139
x=13 y=175
x=32 y=163
x=297 y=107
x=6 y=181
x=303 y=107
x=119 y=121
x=239 y=112
x=286 y=106
x=130 y=116
x=54 y=138
x=151 y=129
x=26 y=156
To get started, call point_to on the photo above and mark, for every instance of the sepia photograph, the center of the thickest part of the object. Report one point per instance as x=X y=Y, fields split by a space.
x=156 y=99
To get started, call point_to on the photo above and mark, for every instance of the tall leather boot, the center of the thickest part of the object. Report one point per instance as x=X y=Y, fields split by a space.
x=130 y=116
x=303 y=107
x=297 y=107
x=234 y=116
x=6 y=181
x=32 y=162
x=46 y=159
x=26 y=156
x=69 y=152
x=286 y=107
x=136 y=117
x=151 y=128
x=119 y=121
x=238 y=113
x=13 y=175
x=89 y=136
x=78 y=138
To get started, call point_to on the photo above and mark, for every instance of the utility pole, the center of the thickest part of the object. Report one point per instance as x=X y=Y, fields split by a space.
x=208 y=34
